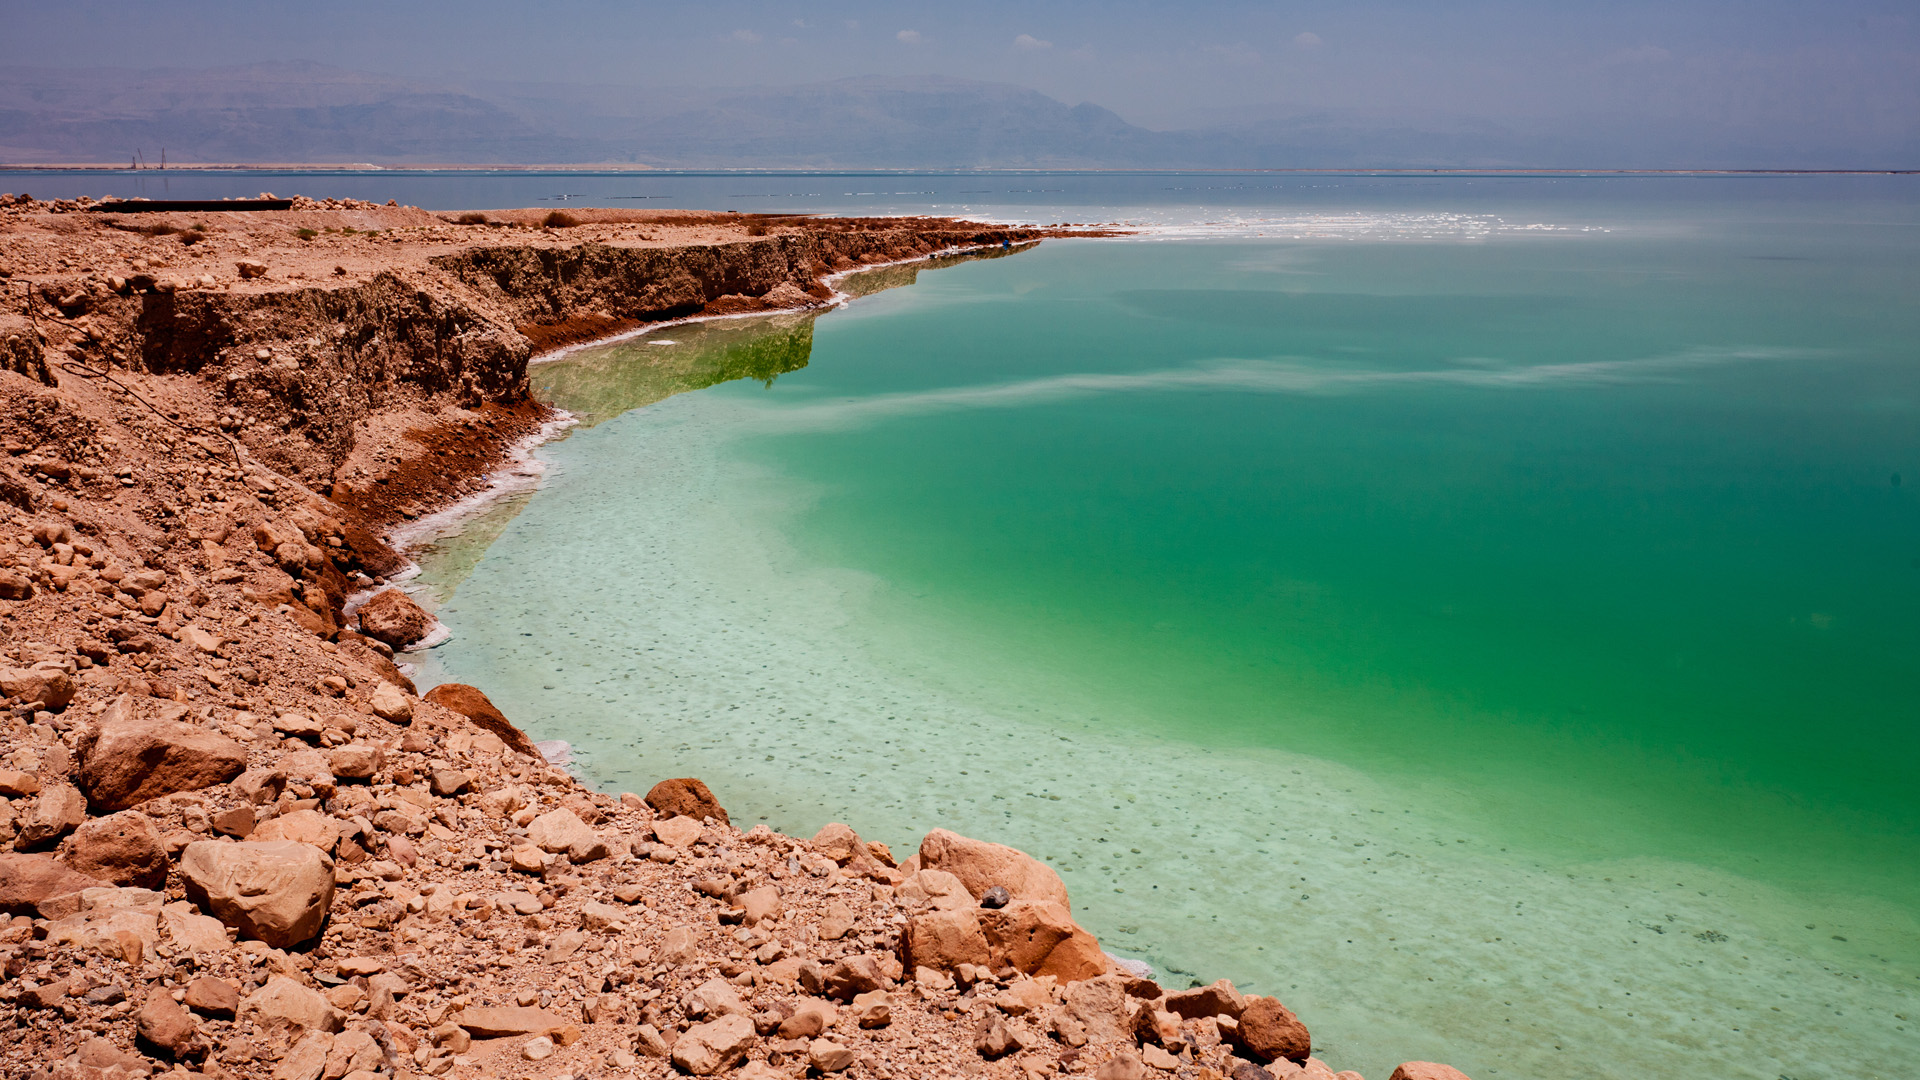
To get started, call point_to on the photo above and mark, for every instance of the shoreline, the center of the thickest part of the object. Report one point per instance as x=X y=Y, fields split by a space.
x=198 y=464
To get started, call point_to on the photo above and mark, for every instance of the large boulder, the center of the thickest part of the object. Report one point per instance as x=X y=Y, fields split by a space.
x=284 y=1003
x=560 y=831
x=705 y=1049
x=305 y=826
x=472 y=704
x=54 y=813
x=1427 y=1070
x=48 y=685
x=943 y=940
x=123 y=933
x=1101 y=1007
x=981 y=865
x=276 y=891
x=123 y=848
x=394 y=619
x=686 y=797
x=1269 y=1031
x=126 y=759
x=27 y=880
x=935 y=887
x=1041 y=938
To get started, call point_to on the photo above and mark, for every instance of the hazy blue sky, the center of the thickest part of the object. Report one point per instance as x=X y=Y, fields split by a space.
x=1854 y=64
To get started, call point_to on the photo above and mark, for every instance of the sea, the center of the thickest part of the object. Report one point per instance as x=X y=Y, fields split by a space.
x=1481 y=610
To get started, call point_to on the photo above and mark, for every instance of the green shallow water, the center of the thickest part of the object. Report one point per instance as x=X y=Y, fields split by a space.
x=1503 y=649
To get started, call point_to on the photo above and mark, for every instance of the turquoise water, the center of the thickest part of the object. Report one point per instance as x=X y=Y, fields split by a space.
x=1497 y=642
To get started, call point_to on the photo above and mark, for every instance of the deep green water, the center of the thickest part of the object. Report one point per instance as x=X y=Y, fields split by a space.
x=1501 y=646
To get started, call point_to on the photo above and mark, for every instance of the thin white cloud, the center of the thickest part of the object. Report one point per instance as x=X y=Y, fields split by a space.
x=911 y=37
x=747 y=37
x=1308 y=40
x=1028 y=41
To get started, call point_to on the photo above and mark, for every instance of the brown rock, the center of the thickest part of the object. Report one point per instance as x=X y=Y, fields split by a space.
x=163 y=1024
x=1125 y=1065
x=705 y=1049
x=45 y=996
x=981 y=865
x=304 y=826
x=53 y=814
x=355 y=761
x=935 y=887
x=121 y=933
x=123 y=848
x=16 y=785
x=28 y=880
x=559 y=831
x=192 y=931
x=827 y=1056
x=1269 y=1031
x=448 y=782
x=1427 y=1070
x=1220 y=999
x=282 y=1002
x=51 y=686
x=678 y=832
x=758 y=904
x=390 y=703
x=841 y=844
x=14 y=587
x=872 y=1009
x=686 y=797
x=260 y=786
x=214 y=997
x=354 y=1051
x=811 y=1018
x=390 y=616
x=1041 y=938
x=853 y=976
x=306 y=1059
x=993 y=1039
x=497 y=1023
x=126 y=759
x=1101 y=1007
x=276 y=891
x=941 y=940
x=237 y=822
x=472 y=704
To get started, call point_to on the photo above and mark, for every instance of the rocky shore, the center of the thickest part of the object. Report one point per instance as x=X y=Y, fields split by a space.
x=235 y=841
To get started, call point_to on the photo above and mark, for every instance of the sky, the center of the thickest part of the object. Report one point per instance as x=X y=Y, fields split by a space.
x=1845 y=66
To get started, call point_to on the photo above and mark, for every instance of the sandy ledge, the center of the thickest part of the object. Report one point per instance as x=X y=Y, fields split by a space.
x=237 y=841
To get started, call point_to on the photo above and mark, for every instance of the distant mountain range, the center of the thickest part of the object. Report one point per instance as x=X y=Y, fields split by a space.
x=305 y=112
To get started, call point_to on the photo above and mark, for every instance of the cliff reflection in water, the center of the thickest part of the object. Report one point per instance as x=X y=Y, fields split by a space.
x=601 y=382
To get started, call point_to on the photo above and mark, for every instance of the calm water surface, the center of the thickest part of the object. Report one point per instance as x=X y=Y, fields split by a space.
x=1492 y=628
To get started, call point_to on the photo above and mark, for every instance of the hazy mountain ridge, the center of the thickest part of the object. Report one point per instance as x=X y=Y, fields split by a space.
x=306 y=112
